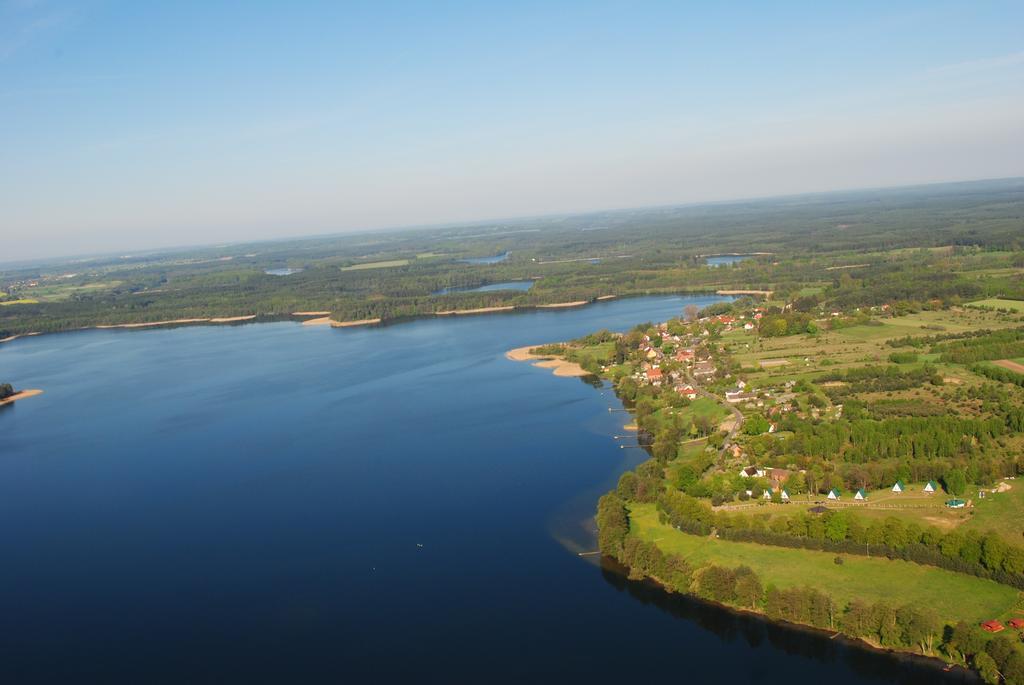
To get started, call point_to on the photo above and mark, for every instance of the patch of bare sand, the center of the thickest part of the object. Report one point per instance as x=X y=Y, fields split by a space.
x=479 y=310
x=21 y=395
x=229 y=319
x=559 y=367
x=354 y=322
x=148 y=324
x=328 y=321
x=560 y=305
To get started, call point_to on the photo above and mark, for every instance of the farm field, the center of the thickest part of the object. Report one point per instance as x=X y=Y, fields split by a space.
x=997 y=303
x=847 y=347
x=1002 y=512
x=954 y=596
x=376 y=265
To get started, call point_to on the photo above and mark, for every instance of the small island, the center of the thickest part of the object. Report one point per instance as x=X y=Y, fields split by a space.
x=819 y=465
x=8 y=395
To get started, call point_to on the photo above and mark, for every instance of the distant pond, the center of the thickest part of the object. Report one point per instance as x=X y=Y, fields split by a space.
x=522 y=286
x=726 y=260
x=281 y=272
x=487 y=260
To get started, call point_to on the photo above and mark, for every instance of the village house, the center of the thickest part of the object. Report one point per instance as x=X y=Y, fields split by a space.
x=654 y=376
x=930 y=487
x=704 y=368
x=737 y=395
x=861 y=495
x=992 y=626
x=685 y=355
x=833 y=494
x=897 y=487
x=687 y=391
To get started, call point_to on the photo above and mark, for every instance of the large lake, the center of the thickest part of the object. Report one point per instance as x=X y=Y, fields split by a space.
x=289 y=504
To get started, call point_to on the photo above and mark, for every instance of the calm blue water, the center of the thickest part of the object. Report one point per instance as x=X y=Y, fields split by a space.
x=725 y=260
x=522 y=286
x=247 y=504
x=487 y=260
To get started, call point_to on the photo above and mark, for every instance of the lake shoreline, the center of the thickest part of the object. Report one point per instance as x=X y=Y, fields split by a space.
x=923 y=660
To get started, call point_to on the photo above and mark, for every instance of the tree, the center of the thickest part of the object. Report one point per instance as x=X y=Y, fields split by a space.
x=756 y=424
x=748 y=588
x=986 y=668
x=6 y=390
x=1013 y=669
x=1000 y=648
x=918 y=626
x=993 y=551
x=967 y=639
x=955 y=482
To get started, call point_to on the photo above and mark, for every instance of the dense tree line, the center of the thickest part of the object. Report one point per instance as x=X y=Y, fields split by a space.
x=865 y=379
x=922 y=341
x=998 y=373
x=998 y=345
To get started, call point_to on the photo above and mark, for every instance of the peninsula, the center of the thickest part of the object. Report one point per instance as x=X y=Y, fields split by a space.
x=849 y=467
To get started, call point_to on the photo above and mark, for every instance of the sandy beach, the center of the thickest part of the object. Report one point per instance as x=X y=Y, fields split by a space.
x=229 y=319
x=481 y=310
x=356 y=322
x=148 y=324
x=328 y=321
x=559 y=367
x=559 y=305
x=12 y=338
x=24 y=394
x=605 y=297
x=173 y=322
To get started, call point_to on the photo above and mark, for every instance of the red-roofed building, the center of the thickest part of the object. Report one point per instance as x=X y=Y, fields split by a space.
x=654 y=376
x=684 y=355
x=1017 y=623
x=992 y=626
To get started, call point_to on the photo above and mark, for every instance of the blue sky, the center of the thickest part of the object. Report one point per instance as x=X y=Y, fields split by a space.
x=127 y=125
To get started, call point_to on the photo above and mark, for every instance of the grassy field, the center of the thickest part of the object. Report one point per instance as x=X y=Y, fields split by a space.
x=954 y=596
x=21 y=301
x=1002 y=512
x=996 y=303
x=376 y=265
x=61 y=292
